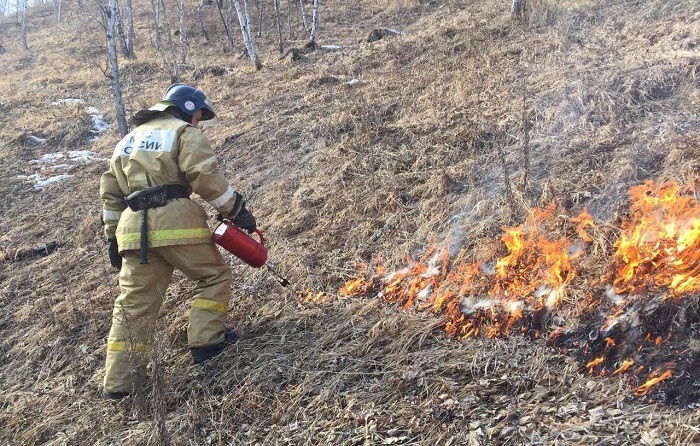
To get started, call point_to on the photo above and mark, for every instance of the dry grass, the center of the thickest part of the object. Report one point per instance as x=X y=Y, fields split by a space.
x=336 y=174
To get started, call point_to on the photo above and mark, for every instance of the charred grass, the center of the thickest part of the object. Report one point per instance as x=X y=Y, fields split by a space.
x=339 y=172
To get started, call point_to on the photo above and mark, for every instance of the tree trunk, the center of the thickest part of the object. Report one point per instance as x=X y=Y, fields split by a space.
x=314 y=24
x=57 y=8
x=120 y=32
x=2 y=49
x=254 y=53
x=201 y=21
x=244 y=20
x=155 y=4
x=183 y=32
x=303 y=16
x=175 y=75
x=228 y=26
x=278 y=22
x=114 y=64
x=289 y=18
x=261 y=9
x=518 y=9
x=129 y=30
x=24 y=25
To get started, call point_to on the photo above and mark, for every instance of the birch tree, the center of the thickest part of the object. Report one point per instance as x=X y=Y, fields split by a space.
x=120 y=31
x=303 y=16
x=111 y=15
x=183 y=31
x=57 y=9
x=175 y=72
x=228 y=24
x=244 y=21
x=278 y=22
x=314 y=25
x=201 y=20
x=129 y=30
x=24 y=25
x=261 y=10
x=518 y=9
x=169 y=71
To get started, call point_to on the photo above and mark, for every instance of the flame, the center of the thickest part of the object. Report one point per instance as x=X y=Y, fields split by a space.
x=583 y=221
x=596 y=362
x=659 y=246
x=539 y=272
x=307 y=296
x=489 y=299
x=653 y=380
x=626 y=364
x=355 y=287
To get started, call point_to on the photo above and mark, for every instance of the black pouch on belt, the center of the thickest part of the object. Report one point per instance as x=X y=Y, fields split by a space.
x=151 y=198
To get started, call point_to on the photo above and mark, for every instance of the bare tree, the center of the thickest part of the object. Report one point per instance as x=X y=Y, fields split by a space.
x=314 y=24
x=111 y=16
x=156 y=5
x=261 y=10
x=129 y=30
x=228 y=24
x=57 y=9
x=183 y=31
x=175 y=76
x=278 y=22
x=244 y=21
x=303 y=16
x=518 y=9
x=24 y=25
x=201 y=20
x=120 y=31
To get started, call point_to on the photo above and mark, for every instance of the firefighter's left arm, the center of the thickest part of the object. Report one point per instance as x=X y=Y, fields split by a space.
x=198 y=161
x=113 y=203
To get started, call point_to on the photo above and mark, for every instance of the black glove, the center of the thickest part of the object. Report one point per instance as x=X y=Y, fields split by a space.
x=114 y=258
x=245 y=220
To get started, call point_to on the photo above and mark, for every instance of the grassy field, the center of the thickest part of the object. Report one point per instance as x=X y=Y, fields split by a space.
x=370 y=153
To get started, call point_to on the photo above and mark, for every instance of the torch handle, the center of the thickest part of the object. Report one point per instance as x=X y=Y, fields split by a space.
x=260 y=234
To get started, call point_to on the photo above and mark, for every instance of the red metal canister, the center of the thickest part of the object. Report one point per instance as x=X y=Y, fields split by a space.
x=240 y=244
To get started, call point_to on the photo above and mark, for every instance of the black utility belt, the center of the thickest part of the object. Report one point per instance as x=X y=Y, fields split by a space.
x=150 y=198
x=156 y=196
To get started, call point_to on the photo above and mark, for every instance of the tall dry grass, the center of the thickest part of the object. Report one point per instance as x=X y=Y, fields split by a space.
x=405 y=158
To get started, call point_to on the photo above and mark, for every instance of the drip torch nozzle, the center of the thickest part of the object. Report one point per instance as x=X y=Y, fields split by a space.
x=272 y=269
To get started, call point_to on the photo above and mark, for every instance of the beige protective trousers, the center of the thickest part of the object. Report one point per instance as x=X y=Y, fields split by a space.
x=142 y=290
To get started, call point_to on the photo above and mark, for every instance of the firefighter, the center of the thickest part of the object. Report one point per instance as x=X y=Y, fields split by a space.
x=153 y=227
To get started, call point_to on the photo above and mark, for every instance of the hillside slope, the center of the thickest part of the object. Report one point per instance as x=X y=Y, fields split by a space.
x=408 y=155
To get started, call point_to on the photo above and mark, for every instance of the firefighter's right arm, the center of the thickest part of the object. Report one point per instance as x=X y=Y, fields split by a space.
x=198 y=161
x=113 y=203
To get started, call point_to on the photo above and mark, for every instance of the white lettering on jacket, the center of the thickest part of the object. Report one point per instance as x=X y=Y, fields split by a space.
x=147 y=141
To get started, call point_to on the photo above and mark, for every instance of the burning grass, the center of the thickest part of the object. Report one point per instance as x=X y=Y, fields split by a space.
x=646 y=319
x=413 y=150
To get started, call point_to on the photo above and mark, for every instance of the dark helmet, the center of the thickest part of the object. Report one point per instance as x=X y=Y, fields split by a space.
x=188 y=100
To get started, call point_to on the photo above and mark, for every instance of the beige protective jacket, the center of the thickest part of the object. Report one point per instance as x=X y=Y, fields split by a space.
x=164 y=150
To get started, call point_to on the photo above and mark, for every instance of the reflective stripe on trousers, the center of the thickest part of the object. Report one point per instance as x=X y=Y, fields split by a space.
x=143 y=288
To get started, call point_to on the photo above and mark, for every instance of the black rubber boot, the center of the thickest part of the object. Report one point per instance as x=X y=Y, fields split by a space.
x=202 y=354
x=114 y=396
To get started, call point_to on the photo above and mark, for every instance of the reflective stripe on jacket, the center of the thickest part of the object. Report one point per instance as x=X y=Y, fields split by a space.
x=164 y=150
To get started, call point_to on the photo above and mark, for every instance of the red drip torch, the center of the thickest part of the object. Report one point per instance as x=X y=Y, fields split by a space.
x=246 y=248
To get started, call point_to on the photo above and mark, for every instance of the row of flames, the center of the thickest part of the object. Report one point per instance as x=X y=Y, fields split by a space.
x=656 y=256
